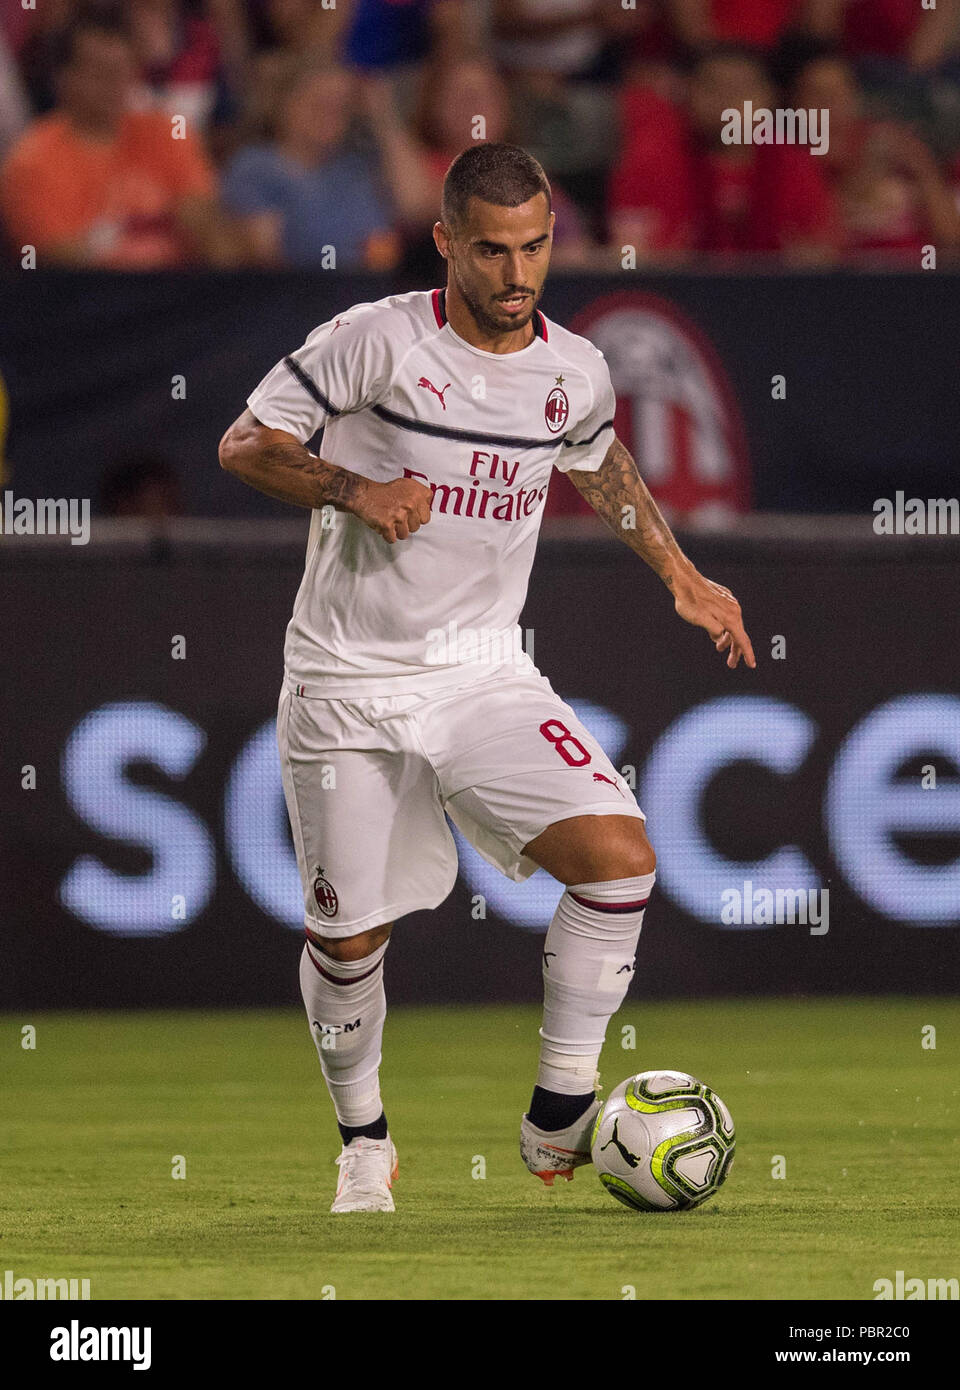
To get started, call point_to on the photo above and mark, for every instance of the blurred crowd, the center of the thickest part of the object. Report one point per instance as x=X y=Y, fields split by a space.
x=315 y=133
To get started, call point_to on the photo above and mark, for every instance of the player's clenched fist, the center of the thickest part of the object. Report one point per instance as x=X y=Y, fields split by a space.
x=394 y=510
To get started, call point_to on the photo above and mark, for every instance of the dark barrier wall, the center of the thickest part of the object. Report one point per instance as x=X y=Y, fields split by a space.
x=150 y=863
x=99 y=364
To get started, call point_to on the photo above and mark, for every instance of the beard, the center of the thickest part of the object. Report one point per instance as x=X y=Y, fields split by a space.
x=483 y=317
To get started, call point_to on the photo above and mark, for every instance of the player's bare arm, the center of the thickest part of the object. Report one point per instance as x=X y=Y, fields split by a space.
x=275 y=462
x=617 y=485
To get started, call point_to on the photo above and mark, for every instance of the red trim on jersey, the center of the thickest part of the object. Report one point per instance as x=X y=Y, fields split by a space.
x=596 y=906
x=438 y=313
x=335 y=979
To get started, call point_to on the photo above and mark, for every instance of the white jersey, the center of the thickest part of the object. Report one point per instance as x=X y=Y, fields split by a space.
x=397 y=393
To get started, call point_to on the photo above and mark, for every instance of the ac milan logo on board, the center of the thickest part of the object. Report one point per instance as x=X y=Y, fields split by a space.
x=325 y=896
x=676 y=406
x=556 y=410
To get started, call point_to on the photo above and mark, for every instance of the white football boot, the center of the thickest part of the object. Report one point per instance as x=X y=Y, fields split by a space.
x=555 y=1153
x=367 y=1170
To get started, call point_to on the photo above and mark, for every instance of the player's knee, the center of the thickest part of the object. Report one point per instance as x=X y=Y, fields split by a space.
x=630 y=854
x=352 y=947
x=637 y=861
x=646 y=859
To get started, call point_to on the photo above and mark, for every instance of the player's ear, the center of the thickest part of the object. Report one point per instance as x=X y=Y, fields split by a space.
x=441 y=237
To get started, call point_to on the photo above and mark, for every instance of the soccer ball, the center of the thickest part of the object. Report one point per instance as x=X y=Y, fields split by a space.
x=662 y=1142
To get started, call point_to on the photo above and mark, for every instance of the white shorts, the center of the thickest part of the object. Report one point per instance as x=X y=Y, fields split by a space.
x=368 y=782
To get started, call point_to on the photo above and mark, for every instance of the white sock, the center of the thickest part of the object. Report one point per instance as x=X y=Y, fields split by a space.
x=346 y=1006
x=588 y=963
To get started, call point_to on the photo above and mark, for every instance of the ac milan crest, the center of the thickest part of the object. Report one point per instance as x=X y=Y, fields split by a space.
x=556 y=410
x=676 y=406
x=325 y=895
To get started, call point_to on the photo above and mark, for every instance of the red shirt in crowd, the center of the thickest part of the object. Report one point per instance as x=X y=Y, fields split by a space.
x=756 y=22
x=694 y=199
x=880 y=26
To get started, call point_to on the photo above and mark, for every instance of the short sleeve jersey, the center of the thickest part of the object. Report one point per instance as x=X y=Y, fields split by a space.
x=397 y=393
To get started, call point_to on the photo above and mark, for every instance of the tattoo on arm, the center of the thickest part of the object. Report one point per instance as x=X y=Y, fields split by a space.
x=618 y=494
x=322 y=483
x=277 y=464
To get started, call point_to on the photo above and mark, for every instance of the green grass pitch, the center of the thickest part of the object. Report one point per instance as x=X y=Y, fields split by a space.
x=94 y=1117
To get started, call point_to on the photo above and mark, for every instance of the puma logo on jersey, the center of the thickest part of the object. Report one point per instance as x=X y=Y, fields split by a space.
x=602 y=777
x=430 y=387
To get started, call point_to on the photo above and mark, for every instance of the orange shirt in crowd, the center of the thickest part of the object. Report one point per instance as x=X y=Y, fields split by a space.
x=58 y=184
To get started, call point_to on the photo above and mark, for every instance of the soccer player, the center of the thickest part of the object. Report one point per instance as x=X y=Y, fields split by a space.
x=406 y=696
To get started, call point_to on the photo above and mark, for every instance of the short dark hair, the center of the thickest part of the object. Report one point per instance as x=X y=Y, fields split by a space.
x=501 y=174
